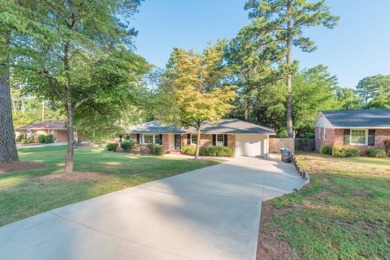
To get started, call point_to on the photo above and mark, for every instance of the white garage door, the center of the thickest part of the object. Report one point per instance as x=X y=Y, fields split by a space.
x=249 y=144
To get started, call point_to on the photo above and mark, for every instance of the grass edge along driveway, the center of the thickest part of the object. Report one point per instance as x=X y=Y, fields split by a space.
x=29 y=192
x=342 y=214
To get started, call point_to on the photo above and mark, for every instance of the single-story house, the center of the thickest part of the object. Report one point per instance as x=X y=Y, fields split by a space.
x=247 y=139
x=57 y=128
x=359 y=128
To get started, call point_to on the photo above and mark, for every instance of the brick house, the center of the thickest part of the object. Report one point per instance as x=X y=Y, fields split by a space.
x=57 y=128
x=358 y=128
x=247 y=139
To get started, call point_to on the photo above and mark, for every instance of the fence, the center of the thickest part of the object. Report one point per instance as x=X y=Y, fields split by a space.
x=294 y=144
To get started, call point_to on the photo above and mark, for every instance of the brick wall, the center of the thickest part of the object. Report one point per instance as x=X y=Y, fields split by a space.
x=165 y=142
x=206 y=140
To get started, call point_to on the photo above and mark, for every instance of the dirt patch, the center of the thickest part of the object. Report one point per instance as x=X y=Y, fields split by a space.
x=269 y=246
x=76 y=176
x=19 y=166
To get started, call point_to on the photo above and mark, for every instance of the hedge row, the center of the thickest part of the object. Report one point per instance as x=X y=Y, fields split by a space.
x=128 y=145
x=221 y=151
x=348 y=151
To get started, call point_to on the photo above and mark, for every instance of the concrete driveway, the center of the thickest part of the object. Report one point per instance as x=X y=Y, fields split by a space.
x=211 y=213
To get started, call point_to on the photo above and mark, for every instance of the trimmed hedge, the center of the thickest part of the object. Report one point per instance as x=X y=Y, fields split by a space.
x=345 y=151
x=151 y=147
x=221 y=151
x=326 y=149
x=213 y=151
x=159 y=150
x=376 y=152
x=41 y=139
x=49 y=139
x=111 y=147
x=127 y=145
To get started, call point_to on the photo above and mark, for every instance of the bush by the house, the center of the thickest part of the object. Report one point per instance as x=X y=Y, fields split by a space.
x=225 y=151
x=345 y=151
x=188 y=150
x=49 y=139
x=326 y=149
x=387 y=146
x=151 y=148
x=111 y=146
x=41 y=139
x=376 y=152
x=203 y=151
x=159 y=149
x=127 y=145
x=213 y=151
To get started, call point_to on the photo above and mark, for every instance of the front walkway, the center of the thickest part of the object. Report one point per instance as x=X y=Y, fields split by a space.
x=210 y=213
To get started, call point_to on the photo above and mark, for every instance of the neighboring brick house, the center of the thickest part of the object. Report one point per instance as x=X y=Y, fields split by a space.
x=358 y=128
x=247 y=139
x=57 y=128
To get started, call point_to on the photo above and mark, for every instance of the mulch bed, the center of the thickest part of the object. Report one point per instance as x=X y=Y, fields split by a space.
x=269 y=246
x=18 y=166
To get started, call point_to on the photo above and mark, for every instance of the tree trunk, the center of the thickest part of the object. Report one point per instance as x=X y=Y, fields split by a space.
x=289 y=76
x=198 y=141
x=69 y=109
x=8 y=151
x=247 y=108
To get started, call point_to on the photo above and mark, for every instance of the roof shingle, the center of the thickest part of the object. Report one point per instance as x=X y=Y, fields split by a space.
x=359 y=118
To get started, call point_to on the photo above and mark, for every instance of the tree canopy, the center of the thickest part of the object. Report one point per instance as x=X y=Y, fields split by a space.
x=192 y=89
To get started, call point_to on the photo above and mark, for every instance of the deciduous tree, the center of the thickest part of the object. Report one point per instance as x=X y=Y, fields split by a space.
x=375 y=91
x=192 y=89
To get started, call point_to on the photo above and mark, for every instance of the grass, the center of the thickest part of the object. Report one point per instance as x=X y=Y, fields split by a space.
x=29 y=192
x=344 y=213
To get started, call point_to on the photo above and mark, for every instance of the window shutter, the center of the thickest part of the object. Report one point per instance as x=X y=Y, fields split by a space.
x=188 y=139
x=347 y=136
x=161 y=139
x=225 y=140
x=371 y=137
x=138 y=138
x=120 y=138
x=214 y=140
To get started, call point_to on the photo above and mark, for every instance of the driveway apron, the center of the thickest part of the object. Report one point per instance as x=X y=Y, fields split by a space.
x=210 y=213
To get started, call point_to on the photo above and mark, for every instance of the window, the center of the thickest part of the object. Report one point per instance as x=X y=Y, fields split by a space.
x=148 y=139
x=157 y=139
x=219 y=138
x=358 y=137
x=324 y=133
x=194 y=139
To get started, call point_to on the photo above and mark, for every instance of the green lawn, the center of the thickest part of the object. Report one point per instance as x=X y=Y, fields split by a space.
x=29 y=192
x=344 y=213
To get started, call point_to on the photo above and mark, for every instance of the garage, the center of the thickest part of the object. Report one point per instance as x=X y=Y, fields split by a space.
x=252 y=145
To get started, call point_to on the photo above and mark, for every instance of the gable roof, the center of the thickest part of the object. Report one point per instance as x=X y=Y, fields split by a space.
x=154 y=127
x=374 y=118
x=225 y=126
x=52 y=124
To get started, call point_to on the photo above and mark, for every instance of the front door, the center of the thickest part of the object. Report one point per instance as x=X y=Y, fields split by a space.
x=177 y=142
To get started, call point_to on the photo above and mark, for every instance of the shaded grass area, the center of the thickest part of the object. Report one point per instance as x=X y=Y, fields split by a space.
x=344 y=213
x=32 y=191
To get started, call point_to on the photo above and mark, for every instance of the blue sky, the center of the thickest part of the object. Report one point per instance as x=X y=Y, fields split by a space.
x=358 y=47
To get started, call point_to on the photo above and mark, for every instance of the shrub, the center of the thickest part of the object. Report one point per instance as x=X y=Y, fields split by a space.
x=203 y=151
x=326 y=149
x=213 y=151
x=111 y=147
x=352 y=152
x=49 y=139
x=376 y=152
x=20 y=138
x=387 y=146
x=188 y=150
x=31 y=139
x=159 y=150
x=345 y=151
x=41 y=139
x=225 y=151
x=127 y=145
x=151 y=147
